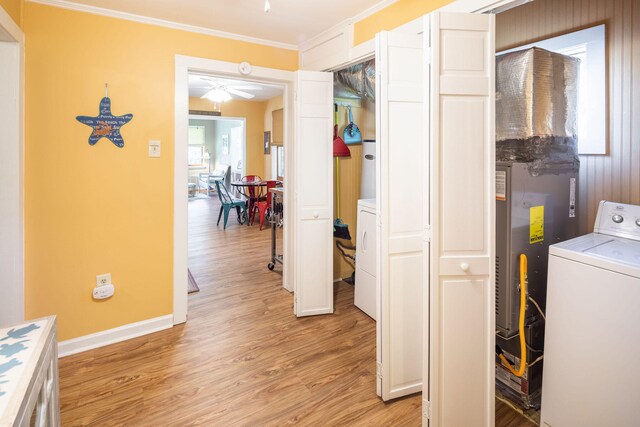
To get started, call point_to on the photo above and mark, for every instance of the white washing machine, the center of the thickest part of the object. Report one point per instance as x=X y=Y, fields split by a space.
x=366 y=243
x=591 y=373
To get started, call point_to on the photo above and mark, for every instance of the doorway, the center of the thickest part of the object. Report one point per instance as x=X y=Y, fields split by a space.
x=218 y=70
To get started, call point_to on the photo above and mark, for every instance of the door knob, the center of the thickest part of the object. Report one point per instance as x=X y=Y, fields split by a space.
x=464 y=266
x=316 y=214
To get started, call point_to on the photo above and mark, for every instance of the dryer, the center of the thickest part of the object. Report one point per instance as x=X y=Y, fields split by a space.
x=365 y=287
x=592 y=338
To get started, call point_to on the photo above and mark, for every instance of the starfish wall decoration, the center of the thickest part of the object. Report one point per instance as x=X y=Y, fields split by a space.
x=105 y=124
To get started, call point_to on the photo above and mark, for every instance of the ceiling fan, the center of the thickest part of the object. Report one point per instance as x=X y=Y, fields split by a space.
x=221 y=92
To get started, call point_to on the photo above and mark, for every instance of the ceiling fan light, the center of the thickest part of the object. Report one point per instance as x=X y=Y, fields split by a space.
x=217 y=95
x=267 y=6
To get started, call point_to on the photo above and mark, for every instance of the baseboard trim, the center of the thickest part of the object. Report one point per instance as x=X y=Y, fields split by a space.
x=112 y=336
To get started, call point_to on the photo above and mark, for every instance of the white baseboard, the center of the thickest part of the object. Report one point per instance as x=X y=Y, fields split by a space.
x=112 y=336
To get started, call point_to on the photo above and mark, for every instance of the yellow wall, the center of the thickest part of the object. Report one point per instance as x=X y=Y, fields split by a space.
x=254 y=113
x=272 y=104
x=14 y=9
x=393 y=16
x=92 y=210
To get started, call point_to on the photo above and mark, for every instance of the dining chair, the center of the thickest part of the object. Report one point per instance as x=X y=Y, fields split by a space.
x=229 y=203
x=262 y=206
x=254 y=193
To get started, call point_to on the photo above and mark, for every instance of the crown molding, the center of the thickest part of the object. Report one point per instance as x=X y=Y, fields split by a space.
x=9 y=30
x=345 y=25
x=373 y=9
x=64 y=4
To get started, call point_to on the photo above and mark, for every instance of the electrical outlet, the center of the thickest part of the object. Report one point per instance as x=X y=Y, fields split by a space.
x=103 y=279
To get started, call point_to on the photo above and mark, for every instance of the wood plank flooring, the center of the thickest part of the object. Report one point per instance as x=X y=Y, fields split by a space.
x=242 y=359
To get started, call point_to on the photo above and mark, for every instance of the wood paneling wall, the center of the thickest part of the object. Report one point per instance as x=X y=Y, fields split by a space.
x=615 y=176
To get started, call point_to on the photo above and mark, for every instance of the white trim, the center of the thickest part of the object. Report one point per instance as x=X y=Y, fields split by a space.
x=341 y=55
x=112 y=336
x=477 y=6
x=12 y=151
x=8 y=26
x=183 y=66
x=373 y=9
x=162 y=23
x=342 y=26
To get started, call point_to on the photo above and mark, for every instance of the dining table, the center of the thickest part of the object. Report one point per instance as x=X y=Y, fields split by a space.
x=244 y=188
x=253 y=191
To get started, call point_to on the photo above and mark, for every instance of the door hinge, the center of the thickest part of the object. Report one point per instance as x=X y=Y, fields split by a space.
x=379 y=370
x=427 y=56
x=427 y=233
x=426 y=409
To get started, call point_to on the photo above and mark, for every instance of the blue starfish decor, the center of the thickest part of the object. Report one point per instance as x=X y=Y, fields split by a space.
x=106 y=125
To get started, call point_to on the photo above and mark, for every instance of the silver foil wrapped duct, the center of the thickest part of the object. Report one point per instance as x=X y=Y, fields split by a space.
x=536 y=94
x=357 y=81
x=536 y=110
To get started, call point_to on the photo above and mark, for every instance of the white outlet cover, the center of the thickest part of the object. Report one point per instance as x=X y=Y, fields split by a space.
x=103 y=279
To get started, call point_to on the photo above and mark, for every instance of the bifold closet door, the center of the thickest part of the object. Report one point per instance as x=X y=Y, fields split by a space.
x=313 y=193
x=401 y=141
x=461 y=280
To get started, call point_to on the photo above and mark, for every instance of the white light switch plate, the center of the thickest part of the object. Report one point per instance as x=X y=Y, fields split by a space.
x=154 y=148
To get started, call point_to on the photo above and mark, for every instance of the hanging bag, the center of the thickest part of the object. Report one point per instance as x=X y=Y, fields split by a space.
x=351 y=133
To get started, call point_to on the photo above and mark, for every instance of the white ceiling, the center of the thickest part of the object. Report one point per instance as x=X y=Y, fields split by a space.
x=289 y=21
x=261 y=91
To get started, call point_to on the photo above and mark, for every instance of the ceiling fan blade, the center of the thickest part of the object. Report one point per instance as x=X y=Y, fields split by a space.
x=240 y=93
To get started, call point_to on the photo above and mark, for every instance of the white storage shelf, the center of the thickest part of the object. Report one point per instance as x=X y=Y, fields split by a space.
x=29 y=391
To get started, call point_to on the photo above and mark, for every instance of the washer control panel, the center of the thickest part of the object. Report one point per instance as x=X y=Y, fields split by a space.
x=618 y=219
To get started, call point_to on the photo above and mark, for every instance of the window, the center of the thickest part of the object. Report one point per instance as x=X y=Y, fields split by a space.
x=589 y=46
x=196 y=146
x=280 y=162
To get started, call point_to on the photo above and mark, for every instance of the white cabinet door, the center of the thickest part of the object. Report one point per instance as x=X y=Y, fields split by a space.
x=313 y=195
x=401 y=140
x=461 y=298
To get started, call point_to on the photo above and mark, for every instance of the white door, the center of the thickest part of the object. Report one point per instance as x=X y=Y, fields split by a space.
x=402 y=140
x=11 y=186
x=313 y=194
x=461 y=297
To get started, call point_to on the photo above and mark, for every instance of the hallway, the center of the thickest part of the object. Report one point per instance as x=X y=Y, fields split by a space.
x=243 y=358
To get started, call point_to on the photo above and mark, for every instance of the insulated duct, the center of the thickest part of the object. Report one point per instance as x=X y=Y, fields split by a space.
x=357 y=81
x=536 y=110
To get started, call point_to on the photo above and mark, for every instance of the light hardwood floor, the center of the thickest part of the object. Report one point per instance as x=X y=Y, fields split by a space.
x=242 y=359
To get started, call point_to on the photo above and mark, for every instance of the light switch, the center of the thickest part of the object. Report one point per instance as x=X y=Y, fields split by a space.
x=154 y=148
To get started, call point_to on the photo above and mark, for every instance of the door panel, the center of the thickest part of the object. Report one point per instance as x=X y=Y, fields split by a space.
x=401 y=144
x=462 y=306
x=313 y=196
x=461 y=296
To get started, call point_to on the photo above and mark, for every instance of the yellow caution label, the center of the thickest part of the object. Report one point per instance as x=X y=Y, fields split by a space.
x=536 y=224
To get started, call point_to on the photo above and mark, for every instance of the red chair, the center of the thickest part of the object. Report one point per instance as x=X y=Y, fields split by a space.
x=253 y=194
x=262 y=206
